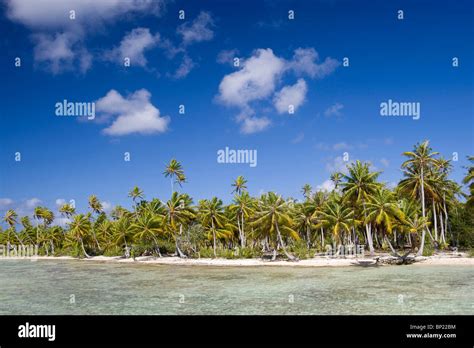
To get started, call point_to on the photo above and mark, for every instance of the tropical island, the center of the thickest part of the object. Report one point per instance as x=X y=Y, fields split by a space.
x=426 y=214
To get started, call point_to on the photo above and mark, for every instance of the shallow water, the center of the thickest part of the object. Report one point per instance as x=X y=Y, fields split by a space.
x=48 y=287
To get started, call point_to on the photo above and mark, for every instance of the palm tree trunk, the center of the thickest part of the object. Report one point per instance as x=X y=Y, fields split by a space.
x=83 y=249
x=390 y=244
x=442 y=227
x=445 y=216
x=280 y=240
x=435 y=220
x=368 y=231
x=214 y=238
x=307 y=237
x=243 y=230
x=423 y=234
x=322 y=237
x=178 y=250
x=156 y=246
x=18 y=237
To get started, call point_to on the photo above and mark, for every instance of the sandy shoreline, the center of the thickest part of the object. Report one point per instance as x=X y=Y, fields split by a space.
x=440 y=259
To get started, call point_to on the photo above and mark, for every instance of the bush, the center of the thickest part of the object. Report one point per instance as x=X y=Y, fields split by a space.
x=428 y=249
x=301 y=251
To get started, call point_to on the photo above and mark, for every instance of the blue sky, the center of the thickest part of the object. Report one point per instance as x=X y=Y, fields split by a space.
x=177 y=62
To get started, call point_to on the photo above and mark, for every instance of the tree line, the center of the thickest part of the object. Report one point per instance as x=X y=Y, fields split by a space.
x=424 y=212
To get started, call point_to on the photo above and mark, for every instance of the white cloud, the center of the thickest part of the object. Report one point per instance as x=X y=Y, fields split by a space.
x=61 y=52
x=6 y=203
x=60 y=201
x=199 y=29
x=59 y=40
x=305 y=62
x=133 y=46
x=260 y=75
x=255 y=80
x=385 y=162
x=327 y=186
x=227 y=56
x=32 y=203
x=185 y=67
x=341 y=146
x=54 y=14
x=290 y=95
x=298 y=139
x=61 y=221
x=133 y=114
x=107 y=207
x=254 y=124
x=334 y=110
x=337 y=164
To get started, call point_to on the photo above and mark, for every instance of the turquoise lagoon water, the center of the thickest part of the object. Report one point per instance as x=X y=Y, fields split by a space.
x=78 y=287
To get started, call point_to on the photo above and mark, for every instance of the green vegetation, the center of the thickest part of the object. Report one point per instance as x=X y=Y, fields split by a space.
x=423 y=213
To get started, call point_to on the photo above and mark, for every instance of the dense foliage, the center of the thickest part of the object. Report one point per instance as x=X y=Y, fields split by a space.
x=424 y=212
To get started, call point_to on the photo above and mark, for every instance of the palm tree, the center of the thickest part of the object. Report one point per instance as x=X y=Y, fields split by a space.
x=338 y=219
x=318 y=202
x=242 y=208
x=43 y=213
x=213 y=219
x=418 y=163
x=95 y=204
x=146 y=226
x=239 y=185
x=272 y=218
x=174 y=170
x=469 y=180
x=122 y=232
x=304 y=216
x=417 y=224
x=178 y=213
x=67 y=210
x=97 y=208
x=11 y=219
x=383 y=211
x=306 y=190
x=359 y=186
x=79 y=228
x=336 y=178
x=136 y=193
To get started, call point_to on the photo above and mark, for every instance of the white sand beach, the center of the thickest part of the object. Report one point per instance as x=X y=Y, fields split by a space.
x=438 y=259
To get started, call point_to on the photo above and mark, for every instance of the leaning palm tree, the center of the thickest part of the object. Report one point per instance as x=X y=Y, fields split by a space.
x=418 y=163
x=239 y=185
x=97 y=208
x=68 y=210
x=79 y=228
x=11 y=219
x=95 y=204
x=174 y=170
x=272 y=218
